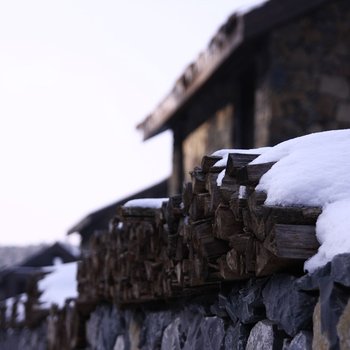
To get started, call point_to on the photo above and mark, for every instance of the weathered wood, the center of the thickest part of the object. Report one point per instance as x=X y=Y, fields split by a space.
x=199 y=207
x=208 y=162
x=292 y=241
x=225 y=224
x=229 y=188
x=236 y=262
x=252 y=173
x=214 y=191
x=124 y=211
x=198 y=181
x=237 y=161
x=187 y=193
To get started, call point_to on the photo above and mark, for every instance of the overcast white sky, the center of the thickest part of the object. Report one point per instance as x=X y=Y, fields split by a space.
x=76 y=76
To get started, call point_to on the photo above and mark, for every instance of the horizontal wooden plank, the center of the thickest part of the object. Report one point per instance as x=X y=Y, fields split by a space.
x=292 y=241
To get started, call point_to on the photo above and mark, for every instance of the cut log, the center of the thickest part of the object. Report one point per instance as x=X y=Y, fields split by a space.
x=199 y=206
x=292 y=241
x=229 y=188
x=237 y=161
x=208 y=162
x=137 y=211
x=187 y=193
x=198 y=181
x=225 y=224
x=251 y=174
x=214 y=191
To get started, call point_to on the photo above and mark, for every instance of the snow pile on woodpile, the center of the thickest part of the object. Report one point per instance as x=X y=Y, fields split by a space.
x=311 y=170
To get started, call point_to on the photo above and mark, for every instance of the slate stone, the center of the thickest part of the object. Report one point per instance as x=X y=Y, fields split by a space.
x=246 y=304
x=288 y=306
x=265 y=336
x=237 y=336
x=320 y=340
x=343 y=328
x=213 y=332
x=191 y=322
x=171 y=336
x=310 y=282
x=103 y=326
x=340 y=270
x=302 y=341
x=119 y=343
x=286 y=343
x=333 y=300
x=152 y=329
x=219 y=307
x=204 y=333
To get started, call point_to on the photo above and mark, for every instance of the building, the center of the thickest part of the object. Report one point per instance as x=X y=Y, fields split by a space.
x=279 y=71
x=14 y=280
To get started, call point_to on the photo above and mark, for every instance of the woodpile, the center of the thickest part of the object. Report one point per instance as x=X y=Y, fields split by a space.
x=196 y=241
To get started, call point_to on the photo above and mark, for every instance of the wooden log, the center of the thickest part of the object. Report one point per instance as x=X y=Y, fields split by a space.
x=292 y=241
x=237 y=205
x=198 y=181
x=229 y=188
x=250 y=174
x=291 y=215
x=267 y=263
x=236 y=262
x=187 y=193
x=237 y=161
x=143 y=212
x=208 y=162
x=199 y=206
x=203 y=240
x=225 y=224
x=214 y=191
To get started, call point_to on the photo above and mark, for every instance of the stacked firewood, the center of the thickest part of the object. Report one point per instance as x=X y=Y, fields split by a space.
x=218 y=230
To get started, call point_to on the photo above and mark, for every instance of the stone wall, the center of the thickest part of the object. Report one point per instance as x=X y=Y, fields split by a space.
x=24 y=339
x=282 y=311
x=306 y=87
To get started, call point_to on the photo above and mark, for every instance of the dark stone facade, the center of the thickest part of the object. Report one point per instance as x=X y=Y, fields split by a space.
x=305 y=86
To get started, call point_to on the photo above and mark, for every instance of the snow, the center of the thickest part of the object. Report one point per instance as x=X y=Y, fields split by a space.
x=59 y=285
x=314 y=170
x=21 y=298
x=224 y=154
x=154 y=203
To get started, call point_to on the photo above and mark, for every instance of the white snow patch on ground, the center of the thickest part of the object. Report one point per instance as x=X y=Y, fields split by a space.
x=59 y=285
x=21 y=299
x=154 y=203
x=314 y=170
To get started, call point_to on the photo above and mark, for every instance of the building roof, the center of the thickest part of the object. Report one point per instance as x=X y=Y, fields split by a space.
x=47 y=256
x=99 y=220
x=238 y=31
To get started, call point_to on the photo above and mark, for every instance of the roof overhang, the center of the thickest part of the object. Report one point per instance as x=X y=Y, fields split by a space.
x=238 y=30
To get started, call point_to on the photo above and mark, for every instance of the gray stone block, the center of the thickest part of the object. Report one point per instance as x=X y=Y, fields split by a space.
x=302 y=341
x=265 y=336
x=288 y=306
x=237 y=337
x=246 y=304
x=340 y=269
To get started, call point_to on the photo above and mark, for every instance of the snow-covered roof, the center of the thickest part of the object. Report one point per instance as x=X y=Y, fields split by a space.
x=60 y=284
x=154 y=203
